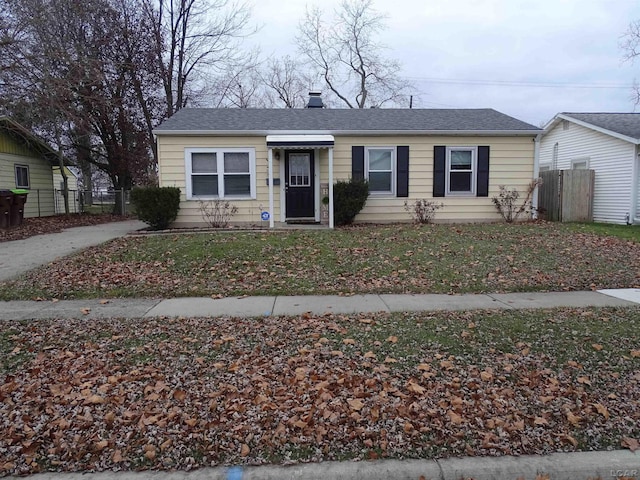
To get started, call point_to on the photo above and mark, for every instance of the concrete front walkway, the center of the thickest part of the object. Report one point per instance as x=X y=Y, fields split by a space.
x=316 y=304
x=20 y=256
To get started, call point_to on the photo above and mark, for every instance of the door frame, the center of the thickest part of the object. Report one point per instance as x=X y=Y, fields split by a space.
x=316 y=184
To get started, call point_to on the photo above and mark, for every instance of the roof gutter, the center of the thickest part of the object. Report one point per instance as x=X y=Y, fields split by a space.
x=484 y=133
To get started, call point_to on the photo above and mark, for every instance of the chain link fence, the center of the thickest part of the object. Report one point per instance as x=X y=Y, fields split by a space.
x=45 y=202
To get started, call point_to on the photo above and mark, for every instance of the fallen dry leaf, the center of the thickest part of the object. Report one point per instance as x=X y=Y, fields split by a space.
x=602 y=410
x=631 y=443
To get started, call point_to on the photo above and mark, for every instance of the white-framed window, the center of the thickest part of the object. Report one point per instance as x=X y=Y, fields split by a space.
x=22 y=176
x=462 y=169
x=380 y=170
x=220 y=173
x=580 y=164
x=545 y=167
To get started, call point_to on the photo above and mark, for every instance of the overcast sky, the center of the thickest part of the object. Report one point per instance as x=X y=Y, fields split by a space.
x=529 y=59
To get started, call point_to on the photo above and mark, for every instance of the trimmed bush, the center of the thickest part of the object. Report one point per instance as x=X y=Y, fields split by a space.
x=156 y=206
x=349 y=198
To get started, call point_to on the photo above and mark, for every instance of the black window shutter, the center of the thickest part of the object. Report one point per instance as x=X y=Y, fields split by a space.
x=482 y=188
x=402 y=175
x=439 y=170
x=357 y=163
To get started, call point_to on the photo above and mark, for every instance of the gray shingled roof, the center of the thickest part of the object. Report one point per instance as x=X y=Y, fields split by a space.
x=623 y=123
x=341 y=120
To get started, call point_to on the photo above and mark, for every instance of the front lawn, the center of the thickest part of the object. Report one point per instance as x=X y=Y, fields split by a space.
x=362 y=259
x=181 y=393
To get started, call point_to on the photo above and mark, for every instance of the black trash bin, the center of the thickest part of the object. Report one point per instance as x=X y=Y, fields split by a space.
x=6 y=200
x=17 y=208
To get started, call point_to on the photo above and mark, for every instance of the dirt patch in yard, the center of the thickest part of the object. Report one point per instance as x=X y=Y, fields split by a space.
x=184 y=392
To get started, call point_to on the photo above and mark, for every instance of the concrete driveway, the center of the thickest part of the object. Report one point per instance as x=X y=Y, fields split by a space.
x=20 y=256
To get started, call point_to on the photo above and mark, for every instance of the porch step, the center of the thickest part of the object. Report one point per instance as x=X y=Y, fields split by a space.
x=302 y=221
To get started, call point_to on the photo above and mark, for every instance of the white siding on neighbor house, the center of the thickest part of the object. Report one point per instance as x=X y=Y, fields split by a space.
x=511 y=164
x=611 y=159
x=637 y=192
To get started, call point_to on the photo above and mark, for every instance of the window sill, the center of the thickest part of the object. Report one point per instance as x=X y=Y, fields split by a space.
x=461 y=194
x=382 y=195
x=230 y=199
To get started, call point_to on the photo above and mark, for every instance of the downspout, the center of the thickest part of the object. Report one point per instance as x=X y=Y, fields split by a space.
x=536 y=174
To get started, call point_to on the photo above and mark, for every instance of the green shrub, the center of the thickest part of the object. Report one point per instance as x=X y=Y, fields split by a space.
x=156 y=206
x=349 y=198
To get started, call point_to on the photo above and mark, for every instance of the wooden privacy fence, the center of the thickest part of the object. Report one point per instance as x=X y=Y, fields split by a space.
x=566 y=195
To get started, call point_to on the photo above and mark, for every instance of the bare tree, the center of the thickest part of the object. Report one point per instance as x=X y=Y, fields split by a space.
x=348 y=58
x=238 y=89
x=284 y=83
x=240 y=86
x=80 y=76
x=630 y=45
x=194 y=39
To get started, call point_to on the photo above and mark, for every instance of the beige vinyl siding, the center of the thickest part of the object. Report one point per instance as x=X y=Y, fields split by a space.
x=611 y=159
x=510 y=160
x=511 y=164
x=173 y=174
x=40 y=200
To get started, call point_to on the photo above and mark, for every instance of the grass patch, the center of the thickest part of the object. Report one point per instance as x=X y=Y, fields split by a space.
x=626 y=232
x=362 y=259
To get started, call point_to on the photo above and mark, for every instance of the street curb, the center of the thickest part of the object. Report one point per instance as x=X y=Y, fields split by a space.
x=557 y=466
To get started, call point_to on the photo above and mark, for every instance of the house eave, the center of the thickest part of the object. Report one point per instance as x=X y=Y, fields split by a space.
x=30 y=140
x=343 y=133
x=555 y=120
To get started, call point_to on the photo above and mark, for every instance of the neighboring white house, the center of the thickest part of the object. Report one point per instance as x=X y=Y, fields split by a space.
x=607 y=143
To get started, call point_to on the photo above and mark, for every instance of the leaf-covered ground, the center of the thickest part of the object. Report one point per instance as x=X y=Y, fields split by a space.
x=43 y=225
x=367 y=259
x=187 y=392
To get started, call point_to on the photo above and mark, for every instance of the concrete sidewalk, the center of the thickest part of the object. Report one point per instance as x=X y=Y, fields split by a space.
x=20 y=256
x=318 y=304
x=558 y=466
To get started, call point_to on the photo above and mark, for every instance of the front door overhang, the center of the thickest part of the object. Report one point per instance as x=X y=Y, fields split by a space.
x=299 y=142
